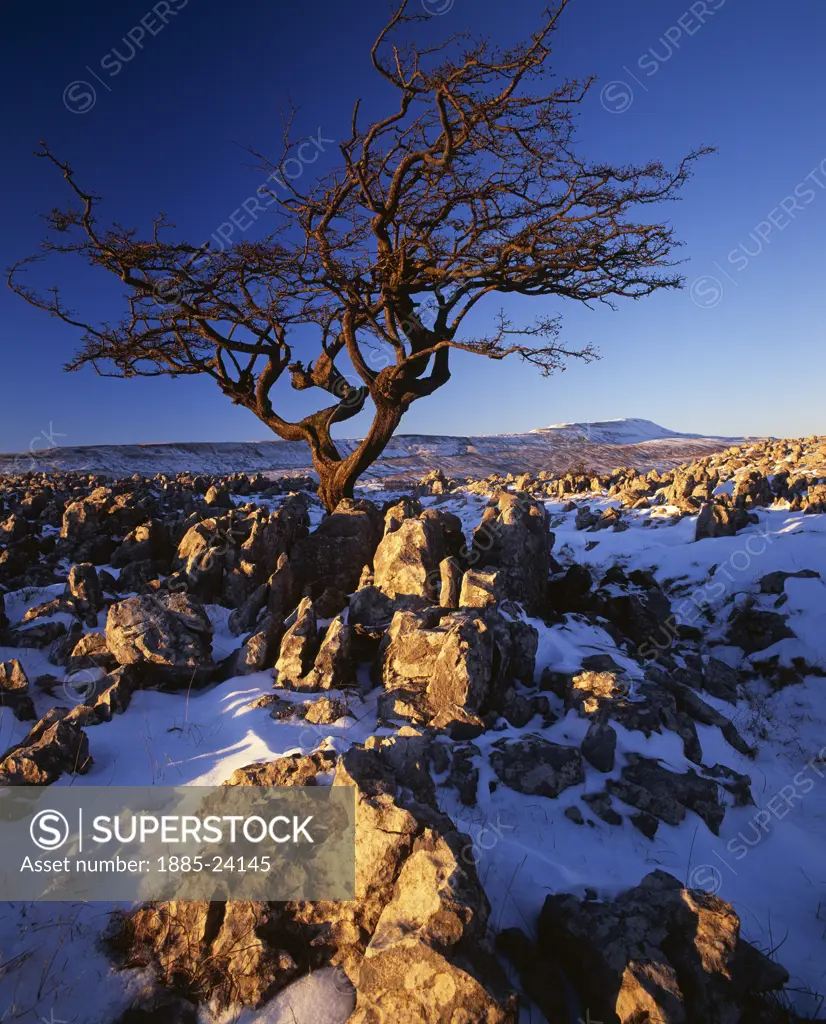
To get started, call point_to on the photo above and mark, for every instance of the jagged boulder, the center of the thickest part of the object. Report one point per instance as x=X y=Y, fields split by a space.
x=571 y=591
x=336 y=552
x=717 y=520
x=53 y=746
x=298 y=649
x=406 y=562
x=413 y=942
x=464 y=673
x=721 y=680
x=257 y=653
x=221 y=953
x=281 y=589
x=536 y=766
x=370 y=608
x=450 y=579
x=91 y=652
x=407 y=659
x=775 y=582
x=99 y=516
x=599 y=745
x=14 y=690
x=201 y=557
x=752 y=489
x=658 y=952
x=170 y=635
x=15 y=528
x=451 y=668
x=482 y=589
x=243 y=618
x=218 y=497
x=84 y=518
x=334 y=664
x=648 y=786
x=644 y=616
x=83 y=587
x=754 y=629
x=149 y=540
x=514 y=537
x=110 y=695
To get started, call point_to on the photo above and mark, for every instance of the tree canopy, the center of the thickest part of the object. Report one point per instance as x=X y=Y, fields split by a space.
x=469 y=188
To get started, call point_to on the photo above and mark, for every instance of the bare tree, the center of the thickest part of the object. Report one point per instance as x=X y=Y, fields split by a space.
x=470 y=187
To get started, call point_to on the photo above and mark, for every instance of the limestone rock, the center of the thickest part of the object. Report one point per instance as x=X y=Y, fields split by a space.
x=53 y=746
x=298 y=650
x=334 y=664
x=91 y=651
x=84 y=589
x=646 y=785
x=721 y=521
x=14 y=690
x=406 y=562
x=168 y=633
x=599 y=745
x=657 y=952
x=336 y=552
x=514 y=537
x=450 y=572
x=534 y=765
x=481 y=589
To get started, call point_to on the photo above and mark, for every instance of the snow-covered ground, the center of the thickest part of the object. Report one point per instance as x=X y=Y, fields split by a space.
x=768 y=860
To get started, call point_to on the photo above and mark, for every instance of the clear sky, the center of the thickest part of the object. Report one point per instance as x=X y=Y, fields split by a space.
x=739 y=351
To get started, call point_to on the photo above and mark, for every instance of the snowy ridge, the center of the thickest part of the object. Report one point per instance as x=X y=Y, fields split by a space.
x=602 y=445
x=619 y=431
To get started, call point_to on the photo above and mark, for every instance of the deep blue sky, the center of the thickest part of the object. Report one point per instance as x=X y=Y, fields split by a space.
x=743 y=354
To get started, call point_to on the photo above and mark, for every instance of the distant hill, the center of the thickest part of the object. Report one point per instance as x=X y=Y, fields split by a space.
x=623 y=431
x=600 y=445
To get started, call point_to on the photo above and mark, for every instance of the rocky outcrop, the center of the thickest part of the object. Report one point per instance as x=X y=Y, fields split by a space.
x=449 y=669
x=83 y=587
x=717 y=520
x=150 y=540
x=311 y=659
x=298 y=649
x=648 y=786
x=536 y=766
x=514 y=538
x=450 y=582
x=336 y=552
x=257 y=653
x=53 y=747
x=754 y=629
x=334 y=665
x=169 y=635
x=658 y=952
x=413 y=943
x=91 y=651
x=482 y=589
x=406 y=562
x=14 y=690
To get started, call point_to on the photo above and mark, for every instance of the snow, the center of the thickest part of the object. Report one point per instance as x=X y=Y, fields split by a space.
x=406 y=454
x=325 y=997
x=619 y=431
x=767 y=861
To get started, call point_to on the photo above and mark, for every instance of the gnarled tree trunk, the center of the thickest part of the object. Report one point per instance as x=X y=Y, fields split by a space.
x=337 y=476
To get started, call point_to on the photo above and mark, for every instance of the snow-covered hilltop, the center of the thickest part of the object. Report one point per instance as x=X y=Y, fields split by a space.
x=601 y=446
x=629 y=430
